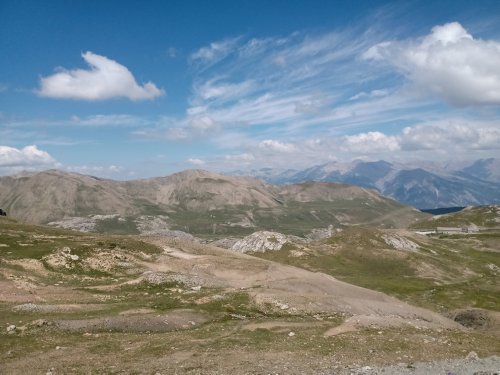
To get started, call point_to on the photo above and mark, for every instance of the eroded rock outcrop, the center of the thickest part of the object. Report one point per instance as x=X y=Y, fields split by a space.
x=260 y=242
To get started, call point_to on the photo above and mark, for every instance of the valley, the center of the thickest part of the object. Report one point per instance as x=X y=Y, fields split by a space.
x=249 y=188
x=341 y=282
x=197 y=202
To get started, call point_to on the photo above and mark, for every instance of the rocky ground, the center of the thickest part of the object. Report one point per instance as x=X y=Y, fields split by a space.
x=471 y=364
x=80 y=303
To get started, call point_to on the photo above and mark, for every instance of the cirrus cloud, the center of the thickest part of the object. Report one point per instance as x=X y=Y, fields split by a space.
x=106 y=79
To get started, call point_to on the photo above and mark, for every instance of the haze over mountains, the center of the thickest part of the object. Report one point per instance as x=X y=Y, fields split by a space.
x=424 y=185
x=198 y=202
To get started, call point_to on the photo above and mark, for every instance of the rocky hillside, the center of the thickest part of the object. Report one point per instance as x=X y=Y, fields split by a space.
x=195 y=201
x=51 y=195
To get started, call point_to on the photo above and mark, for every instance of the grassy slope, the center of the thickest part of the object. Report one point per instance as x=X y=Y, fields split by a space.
x=295 y=218
x=482 y=216
x=448 y=272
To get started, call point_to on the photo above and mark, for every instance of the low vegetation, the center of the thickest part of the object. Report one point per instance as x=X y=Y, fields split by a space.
x=484 y=217
x=447 y=272
x=80 y=301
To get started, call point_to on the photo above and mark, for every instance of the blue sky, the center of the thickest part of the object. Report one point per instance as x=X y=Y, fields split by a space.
x=129 y=89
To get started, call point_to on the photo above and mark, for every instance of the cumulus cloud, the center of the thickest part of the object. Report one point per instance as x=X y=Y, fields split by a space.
x=449 y=62
x=276 y=146
x=28 y=156
x=106 y=79
x=370 y=143
x=450 y=136
x=14 y=160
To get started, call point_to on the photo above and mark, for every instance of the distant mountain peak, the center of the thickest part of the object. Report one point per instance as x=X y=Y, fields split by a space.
x=420 y=184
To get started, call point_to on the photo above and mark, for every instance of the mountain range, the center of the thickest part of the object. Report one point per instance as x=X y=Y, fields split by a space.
x=197 y=202
x=422 y=185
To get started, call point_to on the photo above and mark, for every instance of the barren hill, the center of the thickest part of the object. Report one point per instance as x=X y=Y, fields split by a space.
x=51 y=195
x=198 y=202
x=202 y=190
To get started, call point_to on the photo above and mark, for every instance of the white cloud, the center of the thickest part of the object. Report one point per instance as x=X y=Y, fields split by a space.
x=448 y=62
x=202 y=124
x=191 y=127
x=452 y=137
x=172 y=134
x=488 y=139
x=106 y=79
x=246 y=88
x=104 y=120
x=14 y=160
x=212 y=89
x=101 y=170
x=371 y=94
x=29 y=156
x=197 y=162
x=244 y=158
x=276 y=146
x=370 y=143
x=214 y=52
x=315 y=104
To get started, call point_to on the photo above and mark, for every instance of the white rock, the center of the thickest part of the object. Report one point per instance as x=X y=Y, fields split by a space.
x=472 y=356
x=493 y=267
x=11 y=328
x=260 y=242
x=291 y=334
x=400 y=243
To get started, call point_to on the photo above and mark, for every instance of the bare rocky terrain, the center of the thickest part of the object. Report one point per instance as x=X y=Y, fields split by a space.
x=196 y=202
x=75 y=302
x=313 y=278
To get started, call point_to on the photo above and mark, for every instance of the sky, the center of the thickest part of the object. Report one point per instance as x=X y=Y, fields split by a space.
x=133 y=89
